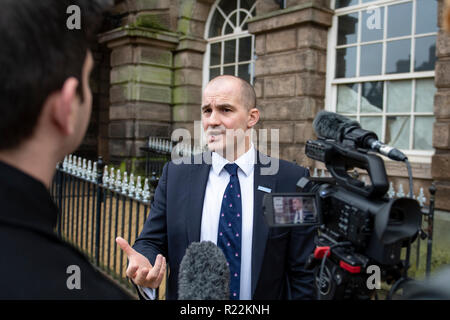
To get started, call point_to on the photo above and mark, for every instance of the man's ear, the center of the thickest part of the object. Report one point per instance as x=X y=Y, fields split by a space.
x=63 y=108
x=253 y=117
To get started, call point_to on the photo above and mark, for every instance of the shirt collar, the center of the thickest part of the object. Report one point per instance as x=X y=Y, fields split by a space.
x=245 y=162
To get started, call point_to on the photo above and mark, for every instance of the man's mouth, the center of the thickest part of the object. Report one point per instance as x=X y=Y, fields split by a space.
x=214 y=135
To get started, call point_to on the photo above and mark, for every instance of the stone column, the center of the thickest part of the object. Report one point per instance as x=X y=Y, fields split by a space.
x=188 y=64
x=141 y=93
x=440 y=165
x=290 y=71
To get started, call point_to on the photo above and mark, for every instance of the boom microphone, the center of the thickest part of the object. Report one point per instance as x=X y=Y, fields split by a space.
x=204 y=274
x=334 y=126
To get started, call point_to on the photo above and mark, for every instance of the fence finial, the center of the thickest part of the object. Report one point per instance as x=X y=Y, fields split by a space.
x=421 y=197
x=89 y=170
x=391 y=191
x=322 y=173
x=64 y=166
x=105 y=176
x=84 y=169
x=131 y=188
x=138 y=188
x=79 y=167
x=315 y=174
x=94 y=172
x=400 y=193
x=125 y=183
x=146 y=192
x=118 y=184
x=112 y=182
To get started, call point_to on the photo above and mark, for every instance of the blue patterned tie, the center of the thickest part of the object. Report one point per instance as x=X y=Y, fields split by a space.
x=230 y=228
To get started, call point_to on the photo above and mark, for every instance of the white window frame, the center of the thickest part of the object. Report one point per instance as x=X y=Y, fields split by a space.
x=422 y=156
x=237 y=34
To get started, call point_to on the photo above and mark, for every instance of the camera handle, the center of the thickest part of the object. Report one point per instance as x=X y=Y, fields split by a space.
x=339 y=160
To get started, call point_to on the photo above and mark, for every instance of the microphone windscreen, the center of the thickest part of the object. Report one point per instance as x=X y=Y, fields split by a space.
x=203 y=274
x=330 y=125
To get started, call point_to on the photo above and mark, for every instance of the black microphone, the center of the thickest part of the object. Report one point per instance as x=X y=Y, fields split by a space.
x=334 y=126
x=204 y=273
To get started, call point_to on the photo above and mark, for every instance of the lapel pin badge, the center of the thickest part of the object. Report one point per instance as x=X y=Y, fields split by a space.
x=264 y=189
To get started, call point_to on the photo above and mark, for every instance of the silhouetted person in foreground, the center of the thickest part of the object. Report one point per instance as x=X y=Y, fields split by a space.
x=45 y=104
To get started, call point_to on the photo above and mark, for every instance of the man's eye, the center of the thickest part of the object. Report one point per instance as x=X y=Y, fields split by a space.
x=227 y=110
x=206 y=110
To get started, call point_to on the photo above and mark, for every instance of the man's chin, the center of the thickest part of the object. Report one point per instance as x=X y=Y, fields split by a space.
x=215 y=147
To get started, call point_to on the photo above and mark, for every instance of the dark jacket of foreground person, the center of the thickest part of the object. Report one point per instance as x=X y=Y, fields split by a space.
x=34 y=262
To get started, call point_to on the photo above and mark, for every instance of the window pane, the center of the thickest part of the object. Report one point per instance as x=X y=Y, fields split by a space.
x=398 y=56
x=372 y=97
x=345 y=3
x=425 y=91
x=399 y=96
x=244 y=72
x=423 y=133
x=228 y=70
x=425 y=58
x=372 y=124
x=215 y=53
x=371 y=57
x=216 y=25
x=346 y=62
x=247 y=4
x=228 y=29
x=397 y=132
x=245 y=49
x=373 y=24
x=348 y=28
x=214 y=72
x=426 y=16
x=230 y=51
x=399 y=20
x=347 y=101
x=233 y=19
x=227 y=6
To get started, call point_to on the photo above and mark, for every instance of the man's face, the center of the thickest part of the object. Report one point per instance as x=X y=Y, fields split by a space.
x=297 y=204
x=223 y=109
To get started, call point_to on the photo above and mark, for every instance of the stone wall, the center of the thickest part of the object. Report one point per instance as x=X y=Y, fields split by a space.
x=141 y=78
x=290 y=70
x=440 y=167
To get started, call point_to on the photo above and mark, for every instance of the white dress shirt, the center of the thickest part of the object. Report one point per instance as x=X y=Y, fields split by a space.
x=298 y=218
x=215 y=188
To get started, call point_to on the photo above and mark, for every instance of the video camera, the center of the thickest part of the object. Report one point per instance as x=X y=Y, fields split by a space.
x=358 y=225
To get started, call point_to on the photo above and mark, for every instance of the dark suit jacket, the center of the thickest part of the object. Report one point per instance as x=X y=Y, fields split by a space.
x=278 y=254
x=33 y=260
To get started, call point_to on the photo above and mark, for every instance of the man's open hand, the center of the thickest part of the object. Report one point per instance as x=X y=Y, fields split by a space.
x=140 y=269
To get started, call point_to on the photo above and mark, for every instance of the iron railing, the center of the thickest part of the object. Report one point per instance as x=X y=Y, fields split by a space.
x=97 y=205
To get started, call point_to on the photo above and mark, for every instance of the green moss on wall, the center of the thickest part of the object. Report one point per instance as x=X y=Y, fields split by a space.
x=151 y=21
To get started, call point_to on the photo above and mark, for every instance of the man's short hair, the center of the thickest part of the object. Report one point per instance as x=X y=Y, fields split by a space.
x=248 y=94
x=38 y=54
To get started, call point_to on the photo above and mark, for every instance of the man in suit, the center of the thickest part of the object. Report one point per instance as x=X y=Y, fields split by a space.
x=221 y=201
x=46 y=103
x=297 y=206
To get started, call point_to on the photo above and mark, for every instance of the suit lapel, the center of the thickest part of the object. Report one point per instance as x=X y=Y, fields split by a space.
x=198 y=177
x=260 y=228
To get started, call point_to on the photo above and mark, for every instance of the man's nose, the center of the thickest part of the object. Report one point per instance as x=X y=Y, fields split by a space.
x=214 y=119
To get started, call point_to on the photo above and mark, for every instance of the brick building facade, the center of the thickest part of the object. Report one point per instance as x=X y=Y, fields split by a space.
x=152 y=65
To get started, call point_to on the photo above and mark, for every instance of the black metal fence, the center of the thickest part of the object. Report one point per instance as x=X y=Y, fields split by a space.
x=97 y=205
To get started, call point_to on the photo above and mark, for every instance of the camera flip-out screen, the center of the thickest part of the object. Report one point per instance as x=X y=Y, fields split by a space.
x=290 y=209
